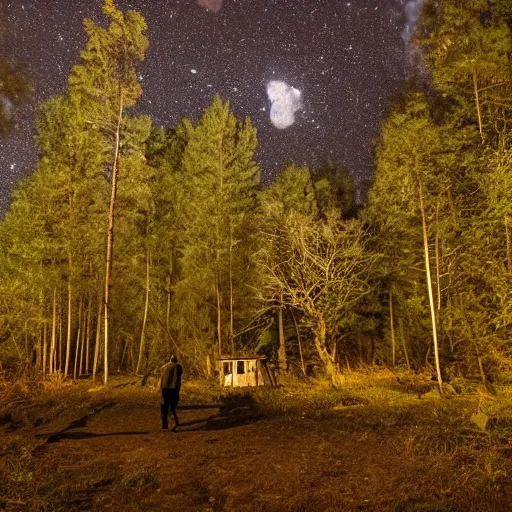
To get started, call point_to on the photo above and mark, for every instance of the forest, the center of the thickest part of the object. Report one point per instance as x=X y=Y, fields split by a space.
x=129 y=242
x=386 y=316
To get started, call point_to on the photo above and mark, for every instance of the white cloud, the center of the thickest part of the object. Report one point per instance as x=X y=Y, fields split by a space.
x=285 y=101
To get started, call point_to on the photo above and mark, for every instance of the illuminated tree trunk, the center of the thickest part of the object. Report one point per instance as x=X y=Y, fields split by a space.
x=169 y=282
x=54 y=332
x=219 y=314
x=231 y=313
x=45 y=349
x=78 y=338
x=392 y=331
x=88 y=335
x=68 y=336
x=404 y=345
x=509 y=246
x=430 y=293
x=146 y=308
x=438 y=272
x=82 y=342
x=331 y=368
x=281 y=354
x=477 y=103
x=299 y=343
x=97 y=341
x=110 y=235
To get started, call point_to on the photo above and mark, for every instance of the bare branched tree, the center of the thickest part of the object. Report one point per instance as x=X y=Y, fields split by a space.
x=323 y=272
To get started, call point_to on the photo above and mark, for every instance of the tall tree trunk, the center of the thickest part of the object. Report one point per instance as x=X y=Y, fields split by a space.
x=110 y=234
x=54 y=332
x=45 y=349
x=299 y=342
x=331 y=368
x=97 y=340
x=88 y=335
x=219 y=315
x=477 y=103
x=220 y=216
x=68 y=336
x=404 y=345
x=82 y=342
x=125 y=350
x=146 y=307
x=281 y=353
x=169 y=282
x=438 y=272
x=392 y=330
x=430 y=294
x=231 y=313
x=509 y=245
x=78 y=336
x=60 y=338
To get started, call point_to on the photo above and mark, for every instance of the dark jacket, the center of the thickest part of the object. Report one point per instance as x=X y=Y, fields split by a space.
x=171 y=376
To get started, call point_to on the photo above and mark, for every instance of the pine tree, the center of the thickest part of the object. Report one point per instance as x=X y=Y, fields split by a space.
x=220 y=186
x=104 y=85
x=409 y=195
x=334 y=189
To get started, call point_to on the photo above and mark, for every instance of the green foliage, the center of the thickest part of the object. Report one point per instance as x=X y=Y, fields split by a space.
x=293 y=190
x=454 y=140
x=334 y=190
x=219 y=183
x=205 y=260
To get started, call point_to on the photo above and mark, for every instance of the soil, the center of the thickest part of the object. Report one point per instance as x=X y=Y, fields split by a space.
x=107 y=451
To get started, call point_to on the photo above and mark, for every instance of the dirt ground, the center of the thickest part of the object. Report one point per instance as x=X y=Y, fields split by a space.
x=106 y=451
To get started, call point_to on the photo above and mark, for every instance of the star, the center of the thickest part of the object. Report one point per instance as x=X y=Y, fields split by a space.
x=323 y=52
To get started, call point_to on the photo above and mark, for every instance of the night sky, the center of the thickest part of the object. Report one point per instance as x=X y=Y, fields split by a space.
x=315 y=76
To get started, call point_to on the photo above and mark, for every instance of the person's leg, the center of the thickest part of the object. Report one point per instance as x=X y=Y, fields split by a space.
x=174 y=404
x=176 y=421
x=164 y=408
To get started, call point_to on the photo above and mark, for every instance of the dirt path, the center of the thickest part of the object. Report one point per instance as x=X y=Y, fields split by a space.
x=115 y=457
x=118 y=458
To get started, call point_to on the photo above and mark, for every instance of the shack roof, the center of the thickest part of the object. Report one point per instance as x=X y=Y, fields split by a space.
x=241 y=358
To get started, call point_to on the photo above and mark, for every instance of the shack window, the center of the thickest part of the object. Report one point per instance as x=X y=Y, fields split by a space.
x=240 y=367
x=227 y=368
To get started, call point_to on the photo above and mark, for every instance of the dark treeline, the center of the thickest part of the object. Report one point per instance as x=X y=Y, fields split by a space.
x=129 y=242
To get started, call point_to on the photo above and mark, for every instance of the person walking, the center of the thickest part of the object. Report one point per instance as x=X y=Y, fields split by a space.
x=170 y=385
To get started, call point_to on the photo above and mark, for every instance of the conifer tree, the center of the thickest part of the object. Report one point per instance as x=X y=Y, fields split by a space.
x=220 y=186
x=404 y=203
x=334 y=189
x=105 y=84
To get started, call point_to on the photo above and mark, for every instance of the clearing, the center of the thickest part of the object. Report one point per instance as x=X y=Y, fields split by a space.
x=290 y=449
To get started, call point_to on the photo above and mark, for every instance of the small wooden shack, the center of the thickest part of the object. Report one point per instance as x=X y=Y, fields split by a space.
x=242 y=371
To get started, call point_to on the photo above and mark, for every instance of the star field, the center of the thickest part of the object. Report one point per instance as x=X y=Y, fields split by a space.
x=343 y=59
